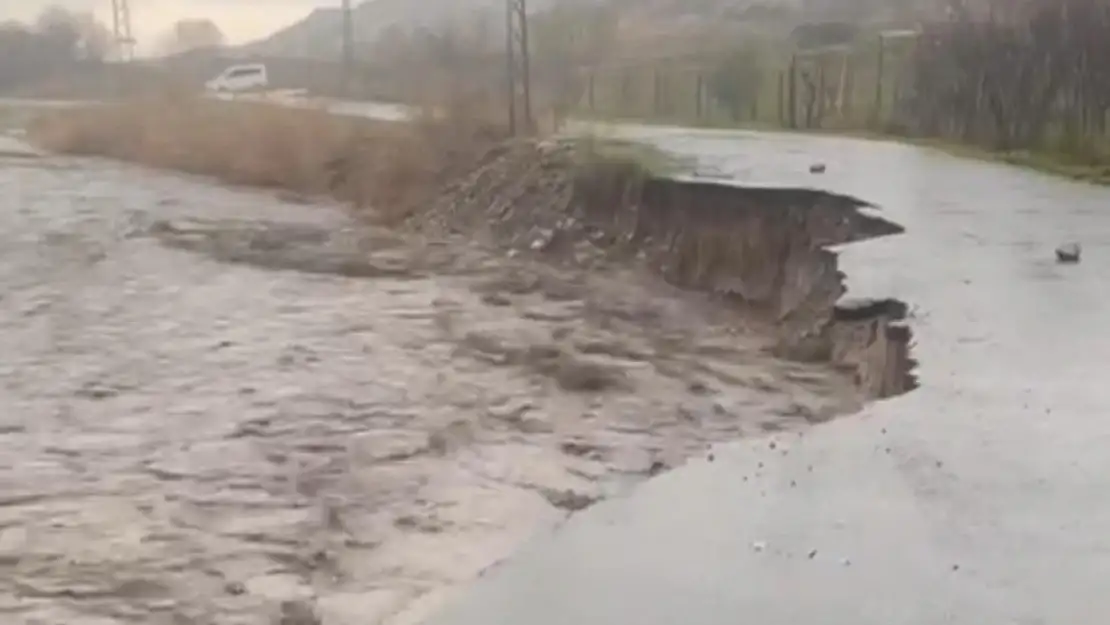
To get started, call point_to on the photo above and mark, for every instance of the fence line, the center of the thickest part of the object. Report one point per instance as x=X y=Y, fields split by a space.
x=835 y=87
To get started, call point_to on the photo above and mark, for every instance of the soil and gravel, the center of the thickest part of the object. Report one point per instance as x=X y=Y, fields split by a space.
x=221 y=407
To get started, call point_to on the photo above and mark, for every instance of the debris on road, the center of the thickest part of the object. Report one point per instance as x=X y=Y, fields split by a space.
x=1068 y=253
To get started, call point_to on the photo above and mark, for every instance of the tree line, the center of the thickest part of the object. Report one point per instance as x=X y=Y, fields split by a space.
x=60 y=42
x=465 y=57
x=1014 y=74
x=57 y=39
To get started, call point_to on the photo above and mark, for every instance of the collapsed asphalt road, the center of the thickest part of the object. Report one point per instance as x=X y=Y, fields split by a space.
x=192 y=435
x=977 y=498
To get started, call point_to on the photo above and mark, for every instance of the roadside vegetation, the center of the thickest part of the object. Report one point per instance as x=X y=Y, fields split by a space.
x=385 y=170
x=303 y=151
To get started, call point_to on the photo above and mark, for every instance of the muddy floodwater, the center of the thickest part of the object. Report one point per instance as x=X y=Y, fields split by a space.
x=218 y=420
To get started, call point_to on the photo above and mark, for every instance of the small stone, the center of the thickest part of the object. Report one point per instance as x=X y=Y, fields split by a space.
x=845 y=562
x=568 y=500
x=1068 y=253
x=812 y=554
x=759 y=546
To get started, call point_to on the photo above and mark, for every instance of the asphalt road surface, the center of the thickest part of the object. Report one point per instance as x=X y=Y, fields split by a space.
x=981 y=497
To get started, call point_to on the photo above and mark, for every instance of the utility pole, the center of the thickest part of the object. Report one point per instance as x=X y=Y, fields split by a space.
x=518 y=71
x=122 y=38
x=123 y=43
x=348 y=47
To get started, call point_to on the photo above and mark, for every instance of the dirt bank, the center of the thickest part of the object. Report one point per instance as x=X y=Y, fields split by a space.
x=762 y=251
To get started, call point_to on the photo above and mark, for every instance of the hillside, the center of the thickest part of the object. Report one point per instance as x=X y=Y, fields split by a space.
x=320 y=33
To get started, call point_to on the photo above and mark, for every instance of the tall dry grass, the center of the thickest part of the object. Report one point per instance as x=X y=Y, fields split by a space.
x=386 y=168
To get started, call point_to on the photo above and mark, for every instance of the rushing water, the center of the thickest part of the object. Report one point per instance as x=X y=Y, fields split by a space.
x=187 y=440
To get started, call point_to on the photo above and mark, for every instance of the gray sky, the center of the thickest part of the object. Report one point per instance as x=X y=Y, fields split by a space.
x=241 y=20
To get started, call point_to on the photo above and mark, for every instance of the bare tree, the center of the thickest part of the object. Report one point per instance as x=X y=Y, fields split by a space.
x=59 y=40
x=568 y=42
x=1011 y=73
x=735 y=81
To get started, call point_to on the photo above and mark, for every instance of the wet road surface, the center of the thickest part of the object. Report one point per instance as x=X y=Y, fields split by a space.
x=978 y=498
x=184 y=440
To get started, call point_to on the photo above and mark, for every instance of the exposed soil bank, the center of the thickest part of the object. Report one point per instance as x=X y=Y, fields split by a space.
x=764 y=248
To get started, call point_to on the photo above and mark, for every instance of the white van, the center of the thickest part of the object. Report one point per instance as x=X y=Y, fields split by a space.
x=246 y=77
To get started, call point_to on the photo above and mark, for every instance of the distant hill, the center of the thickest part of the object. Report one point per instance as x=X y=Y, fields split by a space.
x=320 y=34
x=314 y=36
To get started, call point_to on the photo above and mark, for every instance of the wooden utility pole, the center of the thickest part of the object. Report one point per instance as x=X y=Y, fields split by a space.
x=877 y=111
x=348 y=47
x=792 y=93
x=123 y=43
x=518 y=70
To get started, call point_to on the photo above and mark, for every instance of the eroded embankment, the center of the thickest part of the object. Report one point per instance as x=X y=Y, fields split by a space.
x=764 y=248
x=307 y=421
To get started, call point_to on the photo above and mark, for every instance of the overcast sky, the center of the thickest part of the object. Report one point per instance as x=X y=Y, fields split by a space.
x=241 y=20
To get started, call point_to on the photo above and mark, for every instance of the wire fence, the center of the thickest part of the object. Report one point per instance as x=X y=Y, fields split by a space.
x=853 y=86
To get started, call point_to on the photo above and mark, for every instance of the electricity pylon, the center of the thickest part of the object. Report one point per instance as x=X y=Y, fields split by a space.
x=518 y=71
x=124 y=42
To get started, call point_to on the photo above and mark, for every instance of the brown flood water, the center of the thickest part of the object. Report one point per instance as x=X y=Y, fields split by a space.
x=186 y=440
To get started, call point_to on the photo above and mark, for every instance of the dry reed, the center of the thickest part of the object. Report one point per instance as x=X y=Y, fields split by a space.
x=386 y=168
